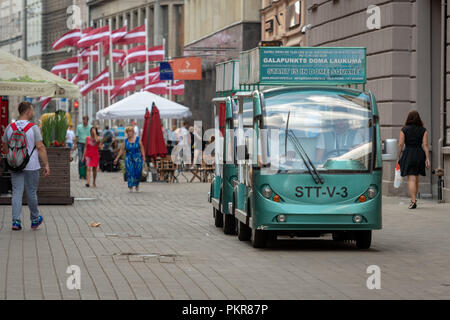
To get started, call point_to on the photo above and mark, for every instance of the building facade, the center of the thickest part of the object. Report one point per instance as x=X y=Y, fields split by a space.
x=216 y=31
x=407 y=66
x=283 y=21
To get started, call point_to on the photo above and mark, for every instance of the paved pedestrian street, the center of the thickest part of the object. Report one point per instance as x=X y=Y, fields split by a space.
x=161 y=243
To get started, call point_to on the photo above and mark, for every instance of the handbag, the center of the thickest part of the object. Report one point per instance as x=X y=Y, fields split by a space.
x=144 y=170
x=398 y=177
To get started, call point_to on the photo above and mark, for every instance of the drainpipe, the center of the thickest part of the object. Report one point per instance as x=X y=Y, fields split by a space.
x=440 y=171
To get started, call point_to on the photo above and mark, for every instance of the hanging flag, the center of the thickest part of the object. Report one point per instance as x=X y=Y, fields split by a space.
x=166 y=71
x=116 y=35
x=107 y=87
x=153 y=76
x=157 y=88
x=89 y=53
x=95 y=36
x=125 y=86
x=70 y=39
x=177 y=88
x=136 y=54
x=68 y=65
x=156 y=53
x=82 y=75
x=45 y=101
x=101 y=79
x=118 y=55
x=137 y=35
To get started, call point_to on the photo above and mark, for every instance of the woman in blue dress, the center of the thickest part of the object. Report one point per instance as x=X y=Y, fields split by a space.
x=134 y=157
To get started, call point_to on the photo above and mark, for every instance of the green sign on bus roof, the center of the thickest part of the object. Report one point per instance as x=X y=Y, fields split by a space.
x=303 y=65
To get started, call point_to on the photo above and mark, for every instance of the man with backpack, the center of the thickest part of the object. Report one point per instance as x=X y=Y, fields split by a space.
x=22 y=143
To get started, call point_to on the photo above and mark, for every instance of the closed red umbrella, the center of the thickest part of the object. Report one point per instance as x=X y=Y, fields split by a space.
x=152 y=135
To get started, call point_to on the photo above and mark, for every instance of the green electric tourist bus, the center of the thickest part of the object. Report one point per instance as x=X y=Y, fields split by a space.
x=299 y=158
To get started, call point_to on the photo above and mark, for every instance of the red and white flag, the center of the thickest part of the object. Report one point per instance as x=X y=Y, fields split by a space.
x=118 y=34
x=157 y=88
x=82 y=75
x=137 y=35
x=108 y=87
x=89 y=53
x=118 y=55
x=66 y=66
x=136 y=54
x=95 y=36
x=153 y=76
x=177 y=88
x=45 y=101
x=70 y=39
x=101 y=79
x=156 y=53
x=125 y=86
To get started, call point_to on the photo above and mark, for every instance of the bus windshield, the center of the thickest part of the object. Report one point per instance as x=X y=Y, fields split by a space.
x=332 y=129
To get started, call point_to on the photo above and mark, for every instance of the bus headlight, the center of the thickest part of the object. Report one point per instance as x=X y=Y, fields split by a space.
x=357 y=219
x=267 y=192
x=371 y=192
x=281 y=218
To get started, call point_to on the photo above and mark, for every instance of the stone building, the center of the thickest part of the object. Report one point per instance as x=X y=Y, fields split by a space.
x=283 y=21
x=216 y=31
x=408 y=66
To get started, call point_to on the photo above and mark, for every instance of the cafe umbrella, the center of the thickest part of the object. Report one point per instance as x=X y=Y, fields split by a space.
x=152 y=136
x=22 y=78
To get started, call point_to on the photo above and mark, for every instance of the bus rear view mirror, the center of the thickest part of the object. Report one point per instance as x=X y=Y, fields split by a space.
x=390 y=150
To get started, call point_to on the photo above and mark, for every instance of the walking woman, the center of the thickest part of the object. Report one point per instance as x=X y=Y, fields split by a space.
x=134 y=157
x=415 y=156
x=91 y=155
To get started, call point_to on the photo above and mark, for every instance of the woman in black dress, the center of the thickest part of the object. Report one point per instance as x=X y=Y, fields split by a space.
x=415 y=156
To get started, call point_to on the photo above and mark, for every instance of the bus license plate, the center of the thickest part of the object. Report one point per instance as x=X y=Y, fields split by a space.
x=317 y=192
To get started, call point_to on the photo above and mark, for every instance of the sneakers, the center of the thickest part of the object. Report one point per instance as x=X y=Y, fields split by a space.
x=36 y=224
x=16 y=226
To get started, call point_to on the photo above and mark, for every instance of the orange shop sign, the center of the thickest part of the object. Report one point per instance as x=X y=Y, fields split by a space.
x=187 y=68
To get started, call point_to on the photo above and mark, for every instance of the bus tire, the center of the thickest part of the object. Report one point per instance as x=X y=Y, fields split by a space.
x=363 y=239
x=229 y=224
x=218 y=219
x=258 y=238
x=244 y=232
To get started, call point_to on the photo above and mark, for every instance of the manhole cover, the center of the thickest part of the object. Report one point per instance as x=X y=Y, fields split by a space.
x=142 y=257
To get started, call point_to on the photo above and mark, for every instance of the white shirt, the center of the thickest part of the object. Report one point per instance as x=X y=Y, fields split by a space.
x=69 y=136
x=136 y=131
x=33 y=135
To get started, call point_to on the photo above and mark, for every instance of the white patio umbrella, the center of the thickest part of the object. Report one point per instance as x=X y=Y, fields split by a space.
x=133 y=107
x=21 y=78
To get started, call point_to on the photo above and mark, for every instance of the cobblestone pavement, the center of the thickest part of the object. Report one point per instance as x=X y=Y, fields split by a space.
x=161 y=243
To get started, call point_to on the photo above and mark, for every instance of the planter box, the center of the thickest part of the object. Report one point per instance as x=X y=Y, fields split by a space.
x=55 y=189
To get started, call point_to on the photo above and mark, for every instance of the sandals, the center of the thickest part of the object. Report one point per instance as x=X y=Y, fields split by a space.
x=412 y=205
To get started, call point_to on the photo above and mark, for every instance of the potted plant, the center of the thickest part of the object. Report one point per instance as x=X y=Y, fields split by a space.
x=55 y=189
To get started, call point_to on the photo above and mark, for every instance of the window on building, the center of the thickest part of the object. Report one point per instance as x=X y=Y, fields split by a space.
x=293 y=15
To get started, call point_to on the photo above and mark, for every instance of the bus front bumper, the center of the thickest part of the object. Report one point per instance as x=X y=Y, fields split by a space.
x=353 y=216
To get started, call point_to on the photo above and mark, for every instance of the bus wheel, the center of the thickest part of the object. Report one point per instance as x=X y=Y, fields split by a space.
x=229 y=224
x=218 y=219
x=244 y=232
x=363 y=239
x=258 y=238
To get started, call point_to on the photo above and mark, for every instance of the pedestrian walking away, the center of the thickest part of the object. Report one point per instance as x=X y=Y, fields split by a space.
x=134 y=158
x=82 y=132
x=24 y=164
x=91 y=156
x=70 y=136
x=413 y=153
